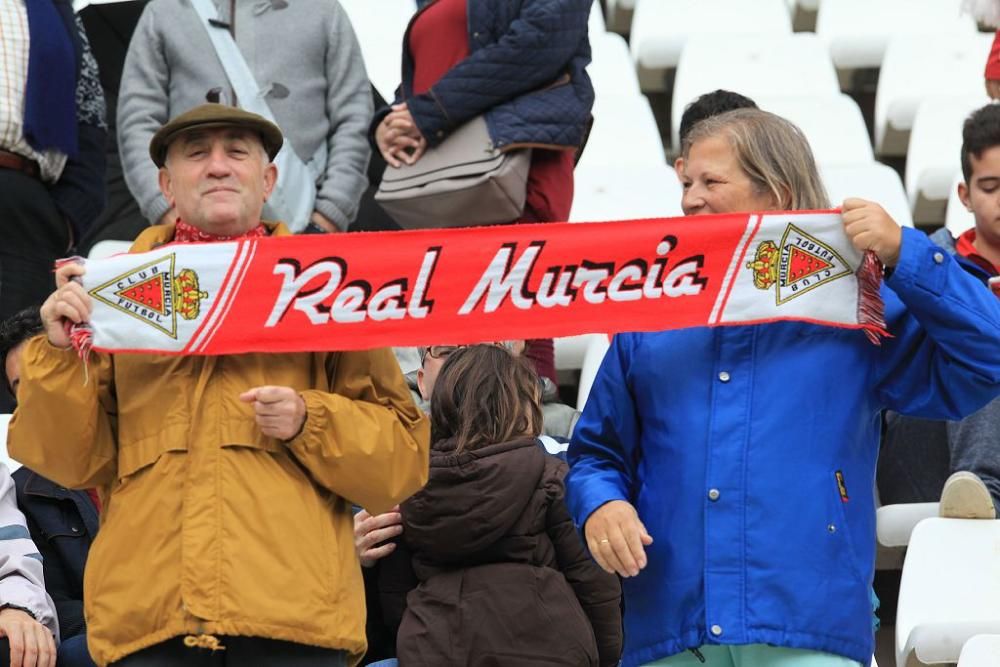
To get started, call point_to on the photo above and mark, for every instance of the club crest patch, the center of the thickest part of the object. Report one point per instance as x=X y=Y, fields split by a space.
x=799 y=264
x=153 y=293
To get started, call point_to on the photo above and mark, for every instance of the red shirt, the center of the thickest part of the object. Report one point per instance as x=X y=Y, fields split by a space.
x=965 y=246
x=439 y=40
x=440 y=36
x=993 y=60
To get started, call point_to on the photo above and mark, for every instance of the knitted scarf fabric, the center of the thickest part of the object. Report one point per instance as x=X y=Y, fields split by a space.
x=50 y=97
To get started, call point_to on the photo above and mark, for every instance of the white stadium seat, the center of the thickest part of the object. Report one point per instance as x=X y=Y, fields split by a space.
x=918 y=67
x=894 y=525
x=957 y=218
x=857 y=31
x=571 y=350
x=625 y=192
x=380 y=32
x=875 y=182
x=612 y=70
x=597 y=24
x=933 y=157
x=624 y=133
x=833 y=124
x=597 y=347
x=753 y=66
x=105 y=249
x=660 y=29
x=619 y=15
x=950 y=590
x=11 y=464
x=980 y=651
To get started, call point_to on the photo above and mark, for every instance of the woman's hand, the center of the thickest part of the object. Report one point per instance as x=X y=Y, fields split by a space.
x=869 y=227
x=616 y=538
x=398 y=138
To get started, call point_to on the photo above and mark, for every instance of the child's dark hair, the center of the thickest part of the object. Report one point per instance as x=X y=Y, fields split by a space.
x=980 y=132
x=711 y=104
x=17 y=329
x=485 y=395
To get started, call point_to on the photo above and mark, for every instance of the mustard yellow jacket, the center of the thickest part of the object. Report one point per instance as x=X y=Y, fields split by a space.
x=210 y=527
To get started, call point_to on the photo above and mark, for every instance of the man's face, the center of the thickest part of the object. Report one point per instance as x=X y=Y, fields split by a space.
x=12 y=368
x=218 y=179
x=982 y=195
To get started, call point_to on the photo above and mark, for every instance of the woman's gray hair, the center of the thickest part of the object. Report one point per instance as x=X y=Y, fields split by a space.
x=773 y=153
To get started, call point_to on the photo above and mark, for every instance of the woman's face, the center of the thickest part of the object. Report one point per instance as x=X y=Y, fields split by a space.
x=714 y=182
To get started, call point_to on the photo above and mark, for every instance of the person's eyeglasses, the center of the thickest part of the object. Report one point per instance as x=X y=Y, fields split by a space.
x=442 y=351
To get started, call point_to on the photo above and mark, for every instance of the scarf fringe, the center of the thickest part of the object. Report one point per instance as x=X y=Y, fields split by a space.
x=871 y=308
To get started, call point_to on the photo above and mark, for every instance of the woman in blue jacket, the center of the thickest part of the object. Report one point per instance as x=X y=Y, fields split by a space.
x=519 y=63
x=727 y=473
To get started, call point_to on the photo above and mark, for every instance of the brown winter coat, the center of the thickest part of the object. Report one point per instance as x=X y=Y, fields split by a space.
x=210 y=527
x=504 y=579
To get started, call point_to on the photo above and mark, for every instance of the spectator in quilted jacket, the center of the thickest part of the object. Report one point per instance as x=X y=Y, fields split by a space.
x=519 y=64
x=490 y=569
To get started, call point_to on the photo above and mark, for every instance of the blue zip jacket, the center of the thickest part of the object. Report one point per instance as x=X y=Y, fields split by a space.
x=749 y=453
x=525 y=71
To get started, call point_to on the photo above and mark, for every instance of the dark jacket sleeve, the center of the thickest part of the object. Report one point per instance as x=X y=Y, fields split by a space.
x=533 y=52
x=599 y=593
x=79 y=194
x=396 y=578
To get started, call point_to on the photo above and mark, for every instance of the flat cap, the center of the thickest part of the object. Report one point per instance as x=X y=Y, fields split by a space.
x=214 y=116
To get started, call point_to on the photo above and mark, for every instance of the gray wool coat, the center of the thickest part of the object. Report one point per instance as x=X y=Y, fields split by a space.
x=307 y=62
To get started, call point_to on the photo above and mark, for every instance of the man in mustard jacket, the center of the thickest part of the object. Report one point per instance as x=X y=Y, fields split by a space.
x=228 y=480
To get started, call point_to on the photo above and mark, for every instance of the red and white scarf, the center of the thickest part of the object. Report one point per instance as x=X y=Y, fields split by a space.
x=359 y=291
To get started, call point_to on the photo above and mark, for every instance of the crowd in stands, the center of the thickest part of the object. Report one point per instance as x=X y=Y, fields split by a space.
x=441 y=505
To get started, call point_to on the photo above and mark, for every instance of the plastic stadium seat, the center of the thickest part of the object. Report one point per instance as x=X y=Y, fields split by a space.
x=894 y=525
x=104 y=249
x=660 y=29
x=950 y=590
x=624 y=133
x=625 y=192
x=570 y=350
x=857 y=31
x=619 y=16
x=875 y=182
x=980 y=651
x=933 y=156
x=957 y=218
x=597 y=347
x=612 y=70
x=754 y=66
x=12 y=465
x=919 y=67
x=833 y=124
x=380 y=26
x=597 y=24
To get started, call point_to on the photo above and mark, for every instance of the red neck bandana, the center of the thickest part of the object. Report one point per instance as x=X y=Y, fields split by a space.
x=185 y=233
x=965 y=246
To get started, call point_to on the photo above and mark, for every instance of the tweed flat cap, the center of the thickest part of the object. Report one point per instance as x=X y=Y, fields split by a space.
x=214 y=116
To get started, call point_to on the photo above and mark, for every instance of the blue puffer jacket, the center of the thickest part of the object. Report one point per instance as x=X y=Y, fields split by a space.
x=749 y=453
x=525 y=70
